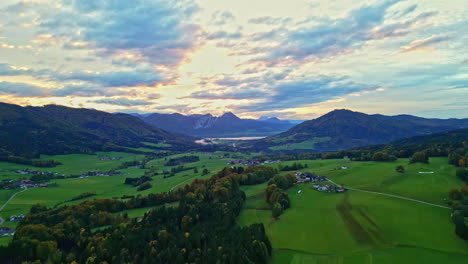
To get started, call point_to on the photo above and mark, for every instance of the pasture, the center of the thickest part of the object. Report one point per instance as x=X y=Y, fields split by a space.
x=358 y=227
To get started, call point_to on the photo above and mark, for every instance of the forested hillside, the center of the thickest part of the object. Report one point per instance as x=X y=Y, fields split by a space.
x=51 y=129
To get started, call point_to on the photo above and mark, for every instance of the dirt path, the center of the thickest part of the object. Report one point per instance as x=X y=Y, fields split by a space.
x=392 y=195
x=11 y=198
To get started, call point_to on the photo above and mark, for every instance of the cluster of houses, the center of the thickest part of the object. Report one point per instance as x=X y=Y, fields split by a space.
x=304 y=177
x=16 y=218
x=329 y=188
x=6 y=231
x=308 y=177
x=110 y=158
x=10 y=184
x=251 y=162
x=97 y=173
x=37 y=172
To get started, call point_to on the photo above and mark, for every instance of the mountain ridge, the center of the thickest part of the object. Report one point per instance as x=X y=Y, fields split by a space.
x=345 y=129
x=52 y=129
x=207 y=125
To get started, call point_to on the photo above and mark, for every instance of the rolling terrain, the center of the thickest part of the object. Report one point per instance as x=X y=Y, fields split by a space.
x=359 y=227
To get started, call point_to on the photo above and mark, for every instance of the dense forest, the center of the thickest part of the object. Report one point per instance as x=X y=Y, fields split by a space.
x=201 y=229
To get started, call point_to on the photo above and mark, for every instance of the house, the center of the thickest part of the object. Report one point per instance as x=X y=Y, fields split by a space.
x=16 y=218
x=344 y=167
x=341 y=189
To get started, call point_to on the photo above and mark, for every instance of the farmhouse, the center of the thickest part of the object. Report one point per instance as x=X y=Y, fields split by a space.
x=308 y=177
x=6 y=231
x=16 y=218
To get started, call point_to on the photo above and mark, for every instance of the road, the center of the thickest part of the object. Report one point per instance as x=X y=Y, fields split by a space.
x=392 y=195
x=9 y=200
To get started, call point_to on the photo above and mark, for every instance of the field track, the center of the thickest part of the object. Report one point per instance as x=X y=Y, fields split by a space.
x=392 y=195
x=11 y=198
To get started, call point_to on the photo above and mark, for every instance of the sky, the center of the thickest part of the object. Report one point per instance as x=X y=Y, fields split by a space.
x=292 y=59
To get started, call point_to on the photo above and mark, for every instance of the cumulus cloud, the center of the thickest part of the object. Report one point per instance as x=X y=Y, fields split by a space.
x=157 y=29
x=325 y=37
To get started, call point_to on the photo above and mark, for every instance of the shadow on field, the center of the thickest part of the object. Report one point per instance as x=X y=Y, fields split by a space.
x=363 y=229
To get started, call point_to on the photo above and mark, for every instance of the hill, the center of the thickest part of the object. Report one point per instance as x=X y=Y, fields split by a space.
x=344 y=129
x=227 y=125
x=51 y=129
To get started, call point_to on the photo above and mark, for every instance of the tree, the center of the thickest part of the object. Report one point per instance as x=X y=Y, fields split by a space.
x=400 y=169
x=462 y=174
x=455 y=194
x=205 y=171
x=277 y=210
x=195 y=170
x=419 y=157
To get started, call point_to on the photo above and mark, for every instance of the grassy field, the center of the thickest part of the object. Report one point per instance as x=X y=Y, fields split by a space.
x=105 y=187
x=359 y=227
x=319 y=228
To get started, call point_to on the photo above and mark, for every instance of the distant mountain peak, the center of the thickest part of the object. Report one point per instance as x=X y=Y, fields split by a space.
x=229 y=115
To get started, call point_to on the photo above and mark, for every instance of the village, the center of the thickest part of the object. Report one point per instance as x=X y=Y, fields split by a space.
x=7 y=184
x=37 y=172
x=307 y=177
x=251 y=162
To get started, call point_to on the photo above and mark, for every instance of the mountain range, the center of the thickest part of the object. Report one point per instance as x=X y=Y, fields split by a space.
x=52 y=129
x=343 y=129
x=226 y=125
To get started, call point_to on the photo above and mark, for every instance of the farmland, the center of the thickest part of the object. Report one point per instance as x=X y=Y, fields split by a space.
x=355 y=227
x=103 y=186
x=359 y=227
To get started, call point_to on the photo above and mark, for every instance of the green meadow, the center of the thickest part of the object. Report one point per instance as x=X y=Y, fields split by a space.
x=355 y=227
x=359 y=227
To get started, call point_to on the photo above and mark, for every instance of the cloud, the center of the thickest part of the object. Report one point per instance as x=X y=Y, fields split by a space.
x=293 y=94
x=45 y=40
x=8 y=70
x=157 y=29
x=286 y=94
x=220 y=18
x=127 y=78
x=237 y=94
x=421 y=44
x=22 y=90
x=224 y=35
x=88 y=91
x=268 y=20
x=114 y=79
x=121 y=102
x=325 y=37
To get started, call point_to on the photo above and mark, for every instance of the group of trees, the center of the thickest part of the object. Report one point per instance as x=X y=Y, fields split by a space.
x=276 y=196
x=383 y=156
x=137 y=181
x=182 y=160
x=459 y=202
x=420 y=156
x=8 y=157
x=202 y=229
x=293 y=167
